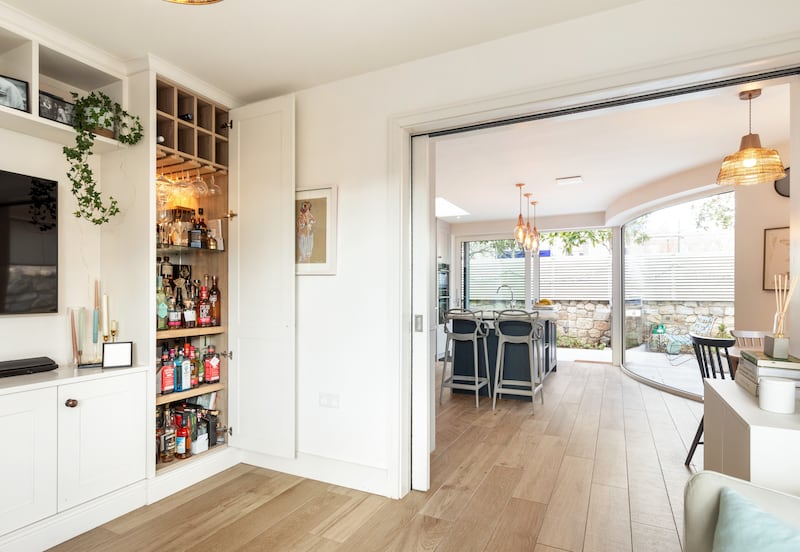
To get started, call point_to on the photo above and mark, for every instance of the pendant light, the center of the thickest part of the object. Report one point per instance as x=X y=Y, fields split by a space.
x=752 y=164
x=520 y=229
x=534 y=234
x=528 y=241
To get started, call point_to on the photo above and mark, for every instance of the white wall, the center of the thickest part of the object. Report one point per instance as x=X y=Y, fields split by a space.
x=349 y=332
x=78 y=255
x=757 y=208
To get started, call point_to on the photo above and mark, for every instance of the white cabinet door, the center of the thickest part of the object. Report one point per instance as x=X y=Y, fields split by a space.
x=27 y=457
x=262 y=279
x=102 y=439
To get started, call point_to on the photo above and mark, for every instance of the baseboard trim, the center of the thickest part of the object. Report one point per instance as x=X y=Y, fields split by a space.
x=345 y=474
x=194 y=471
x=70 y=523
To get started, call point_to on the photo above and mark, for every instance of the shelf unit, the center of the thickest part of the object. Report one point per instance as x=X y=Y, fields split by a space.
x=44 y=69
x=189 y=149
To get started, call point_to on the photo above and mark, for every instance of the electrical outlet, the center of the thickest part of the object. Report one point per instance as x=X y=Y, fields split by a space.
x=329 y=400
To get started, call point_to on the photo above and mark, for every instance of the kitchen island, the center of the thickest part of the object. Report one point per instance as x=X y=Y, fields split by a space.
x=516 y=364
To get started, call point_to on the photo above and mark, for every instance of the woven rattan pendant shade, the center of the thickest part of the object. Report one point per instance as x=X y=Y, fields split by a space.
x=195 y=2
x=752 y=164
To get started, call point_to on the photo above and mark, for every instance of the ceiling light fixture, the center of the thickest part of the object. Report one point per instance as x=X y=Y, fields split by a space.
x=193 y=2
x=520 y=229
x=532 y=239
x=752 y=164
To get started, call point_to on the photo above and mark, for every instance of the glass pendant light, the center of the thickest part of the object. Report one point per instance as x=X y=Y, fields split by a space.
x=534 y=234
x=520 y=229
x=193 y=2
x=527 y=243
x=752 y=164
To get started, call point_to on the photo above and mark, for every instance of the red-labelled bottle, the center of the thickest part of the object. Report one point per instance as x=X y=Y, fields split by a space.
x=167 y=373
x=211 y=367
x=183 y=439
x=204 y=309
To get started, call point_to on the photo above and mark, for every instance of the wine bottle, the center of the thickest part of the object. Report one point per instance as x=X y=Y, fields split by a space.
x=215 y=298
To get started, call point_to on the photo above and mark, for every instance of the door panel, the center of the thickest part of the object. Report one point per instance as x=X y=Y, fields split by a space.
x=262 y=313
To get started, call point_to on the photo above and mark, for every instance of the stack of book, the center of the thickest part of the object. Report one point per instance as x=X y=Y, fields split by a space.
x=755 y=364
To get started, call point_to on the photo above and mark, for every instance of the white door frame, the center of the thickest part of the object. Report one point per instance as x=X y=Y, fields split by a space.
x=715 y=67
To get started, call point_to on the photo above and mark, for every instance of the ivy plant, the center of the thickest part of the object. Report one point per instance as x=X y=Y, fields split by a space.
x=90 y=113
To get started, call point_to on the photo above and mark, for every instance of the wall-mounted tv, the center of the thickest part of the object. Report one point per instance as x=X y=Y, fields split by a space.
x=28 y=244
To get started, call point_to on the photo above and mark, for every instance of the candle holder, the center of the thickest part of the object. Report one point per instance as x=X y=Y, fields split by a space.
x=114 y=331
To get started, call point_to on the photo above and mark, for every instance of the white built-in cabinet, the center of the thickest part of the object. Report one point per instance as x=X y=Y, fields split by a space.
x=28 y=463
x=70 y=440
x=101 y=437
x=105 y=445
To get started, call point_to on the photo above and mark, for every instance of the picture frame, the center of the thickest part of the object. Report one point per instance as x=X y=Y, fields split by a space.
x=315 y=218
x=14 y=93
x=118 y=354
x=776 y=255
x=55 y=108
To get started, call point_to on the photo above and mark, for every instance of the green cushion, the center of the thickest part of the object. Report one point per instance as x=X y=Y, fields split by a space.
x=743 y=526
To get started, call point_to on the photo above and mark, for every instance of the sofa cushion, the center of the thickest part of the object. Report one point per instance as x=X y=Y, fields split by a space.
x=743 y=526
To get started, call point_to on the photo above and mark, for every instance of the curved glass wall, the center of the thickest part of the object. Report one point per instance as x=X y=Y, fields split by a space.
x=678 y=277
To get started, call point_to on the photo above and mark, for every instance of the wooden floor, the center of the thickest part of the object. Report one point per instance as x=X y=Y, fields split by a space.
x=598 y=467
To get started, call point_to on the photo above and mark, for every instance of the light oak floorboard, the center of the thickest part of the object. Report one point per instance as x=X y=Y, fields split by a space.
x=598 y=467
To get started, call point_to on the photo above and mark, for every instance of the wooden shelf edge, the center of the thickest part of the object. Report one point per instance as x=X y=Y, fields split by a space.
x=190 y=332
x=197 y=391
x=162 y=468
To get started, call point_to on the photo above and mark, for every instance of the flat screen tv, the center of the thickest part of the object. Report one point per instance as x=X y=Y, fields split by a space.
x=28 y=244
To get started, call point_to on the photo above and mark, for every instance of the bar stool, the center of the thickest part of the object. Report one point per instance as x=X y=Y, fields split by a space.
x=518 y=327
x=464 y=326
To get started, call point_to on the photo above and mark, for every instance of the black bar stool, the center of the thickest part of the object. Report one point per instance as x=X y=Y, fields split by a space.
x=519 y=327
x=464 y=325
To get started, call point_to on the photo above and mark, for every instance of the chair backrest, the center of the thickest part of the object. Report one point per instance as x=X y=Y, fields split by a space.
x=515 y=323
x=749 y=339
x=463 y=324
x=710 y=352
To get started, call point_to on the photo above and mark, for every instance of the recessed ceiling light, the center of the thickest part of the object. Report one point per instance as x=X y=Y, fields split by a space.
x=569 y=180
x=446 y=209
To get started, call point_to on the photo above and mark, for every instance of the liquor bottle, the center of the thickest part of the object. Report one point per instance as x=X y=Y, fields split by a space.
x=195 y=234
x=167 y=373
x=167 y=274
x=168 y=444
x=159 y=431
x=189 y=314
x=174 y=315
x=183 y=440
x=215 y=298
x=204 y=309
x=193 y=361
x=212 y=240
x=201 y=368
x=162 y=310
x=186 y=370
x=212 y=365
x=201 y=221
x=176 y=361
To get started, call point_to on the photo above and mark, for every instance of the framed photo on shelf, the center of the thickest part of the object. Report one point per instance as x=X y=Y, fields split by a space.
x=776 y=255
x=315 y=231
x=13 y=93
x=55 y=108
x=118 y=354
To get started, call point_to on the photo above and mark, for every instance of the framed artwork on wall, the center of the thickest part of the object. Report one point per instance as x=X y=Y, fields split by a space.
x=315 y=231
x=13 y=93
x=776 y=255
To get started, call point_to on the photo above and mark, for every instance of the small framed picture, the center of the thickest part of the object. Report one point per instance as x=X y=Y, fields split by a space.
x=315 y=231
x=13 y=93
x=118 y=355
x=776 y=255
x=55 y=108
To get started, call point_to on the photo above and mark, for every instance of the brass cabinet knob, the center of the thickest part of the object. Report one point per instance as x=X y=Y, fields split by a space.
x=71 y=403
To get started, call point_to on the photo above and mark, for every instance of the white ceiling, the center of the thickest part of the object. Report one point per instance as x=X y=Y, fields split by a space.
x=615 y=151
x=254 y=49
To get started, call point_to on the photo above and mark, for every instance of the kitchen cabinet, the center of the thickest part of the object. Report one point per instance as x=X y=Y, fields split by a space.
x=28 y=462
x=101 y=437
x=73 y=435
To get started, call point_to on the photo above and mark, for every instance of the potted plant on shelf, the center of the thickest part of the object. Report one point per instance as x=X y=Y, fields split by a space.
x=92 y=114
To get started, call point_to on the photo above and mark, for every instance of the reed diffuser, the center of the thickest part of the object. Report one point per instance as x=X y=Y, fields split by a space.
x=777 y=345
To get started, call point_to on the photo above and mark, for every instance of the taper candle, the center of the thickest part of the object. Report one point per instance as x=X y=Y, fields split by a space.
x=105 y=315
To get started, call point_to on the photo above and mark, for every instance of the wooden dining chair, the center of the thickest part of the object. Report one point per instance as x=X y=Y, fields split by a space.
x=714 y=361
x=749 y=339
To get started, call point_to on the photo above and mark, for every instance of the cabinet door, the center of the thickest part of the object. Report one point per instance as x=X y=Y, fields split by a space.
x=262 y=279
x=27 y=458
x=102 y=439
